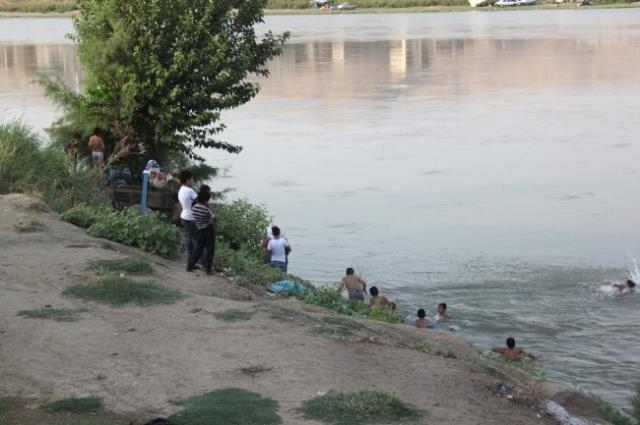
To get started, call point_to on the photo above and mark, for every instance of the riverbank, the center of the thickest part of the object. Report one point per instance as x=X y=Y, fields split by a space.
x=139 y=359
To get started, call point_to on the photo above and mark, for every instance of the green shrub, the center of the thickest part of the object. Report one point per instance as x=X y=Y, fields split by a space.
x=74 y=405
x=229 y=406
x=116 y=290
x=332 y=299
x=245 y=267
x=242 y=224
x=359 y=408
x=148 y=232
x=84 y=215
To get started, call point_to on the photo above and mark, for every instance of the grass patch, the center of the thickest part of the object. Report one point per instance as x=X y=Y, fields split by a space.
x=229 y=406
x=116 y=290
x=5 y=406
x=342 y=322
x=107 y=246
x=334 y=326
x=278 y=312
x=57 y=314
x=359 y=408
x=612 y=414
x=29 y=226
x=234 y=315
x=74 y=405
x=131 y=265
x=331 y=331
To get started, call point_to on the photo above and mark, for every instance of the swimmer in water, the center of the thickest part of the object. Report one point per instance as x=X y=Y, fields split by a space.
x=422 y=321
x=442 y=315
x=623 y=287
x=511 y=352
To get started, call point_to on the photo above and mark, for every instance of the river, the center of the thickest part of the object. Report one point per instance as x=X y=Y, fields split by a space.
x=487 y=160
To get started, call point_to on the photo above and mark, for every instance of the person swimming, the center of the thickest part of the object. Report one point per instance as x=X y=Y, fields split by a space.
x=625 y=287
x=442 y=315
x=511 y=352
x=422 y=321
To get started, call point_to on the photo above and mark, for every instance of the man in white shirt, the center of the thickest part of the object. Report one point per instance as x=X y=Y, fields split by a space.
x=278 y=249
x=186 y=196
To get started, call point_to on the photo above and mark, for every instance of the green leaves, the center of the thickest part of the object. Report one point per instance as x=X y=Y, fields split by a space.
x=159 y=72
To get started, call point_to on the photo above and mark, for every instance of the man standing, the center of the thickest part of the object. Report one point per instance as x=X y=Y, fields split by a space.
x=96 y=145
x=186 y=196
x=356 y=287
x=278 y=249
x=205 y=242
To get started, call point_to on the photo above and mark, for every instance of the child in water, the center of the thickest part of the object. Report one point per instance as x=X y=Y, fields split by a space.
x=511 y=352
x=422 y=321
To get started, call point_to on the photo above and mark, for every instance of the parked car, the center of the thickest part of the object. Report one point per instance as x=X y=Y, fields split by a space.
x=527 y=2
x=346 y=6
x=503 y=3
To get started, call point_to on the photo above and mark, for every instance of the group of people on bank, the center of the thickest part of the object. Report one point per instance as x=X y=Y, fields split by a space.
x=198 y=223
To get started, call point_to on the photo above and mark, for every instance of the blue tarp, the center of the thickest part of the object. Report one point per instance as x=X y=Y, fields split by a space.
x=285 y=286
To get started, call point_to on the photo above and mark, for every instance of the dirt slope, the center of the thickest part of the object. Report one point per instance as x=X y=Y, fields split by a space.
x=140 y=358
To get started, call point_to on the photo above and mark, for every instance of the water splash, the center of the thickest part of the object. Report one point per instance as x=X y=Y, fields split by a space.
x=632 y=269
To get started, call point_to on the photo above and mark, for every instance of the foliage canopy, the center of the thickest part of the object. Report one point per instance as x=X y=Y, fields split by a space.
x=158 y=73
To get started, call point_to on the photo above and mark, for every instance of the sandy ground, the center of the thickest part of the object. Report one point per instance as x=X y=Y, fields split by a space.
x=139 y=359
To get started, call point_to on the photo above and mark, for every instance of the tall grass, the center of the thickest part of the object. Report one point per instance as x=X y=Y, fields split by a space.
x=29 y=166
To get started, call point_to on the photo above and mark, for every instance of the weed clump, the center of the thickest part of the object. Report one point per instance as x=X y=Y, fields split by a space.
x=359 y=408
x=229 y=406
x=57 y=314
x=74 y=405
x=234 y=315
x=117 y=291
x=133 y=265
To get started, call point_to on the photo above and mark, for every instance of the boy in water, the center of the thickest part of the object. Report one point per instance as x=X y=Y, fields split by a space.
x=378 y=299
x=511 y=352
x=442 y=314
x=422 y=321
x=356 y=287
x=628 y=284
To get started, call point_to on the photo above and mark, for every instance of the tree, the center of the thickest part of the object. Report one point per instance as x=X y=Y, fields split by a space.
x=159 y=72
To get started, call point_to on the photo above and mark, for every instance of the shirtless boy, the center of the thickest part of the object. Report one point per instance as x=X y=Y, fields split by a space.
x=381 y=300
x=422 y=321
x=442 y=315
x=356 y=287
x=511 y=352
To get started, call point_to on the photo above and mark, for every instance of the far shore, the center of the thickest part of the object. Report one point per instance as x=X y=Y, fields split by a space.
x=376 y=10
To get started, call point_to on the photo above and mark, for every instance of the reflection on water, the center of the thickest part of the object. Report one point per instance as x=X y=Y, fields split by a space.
x=488 y=160
x=21 y=96
x=447 y=68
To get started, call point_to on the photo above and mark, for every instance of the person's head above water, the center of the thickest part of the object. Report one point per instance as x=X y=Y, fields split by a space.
x=631 y=283
x=442 y=308
x=511 y=343
x=350 y=271
x=373 y=291
x=421 y=313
